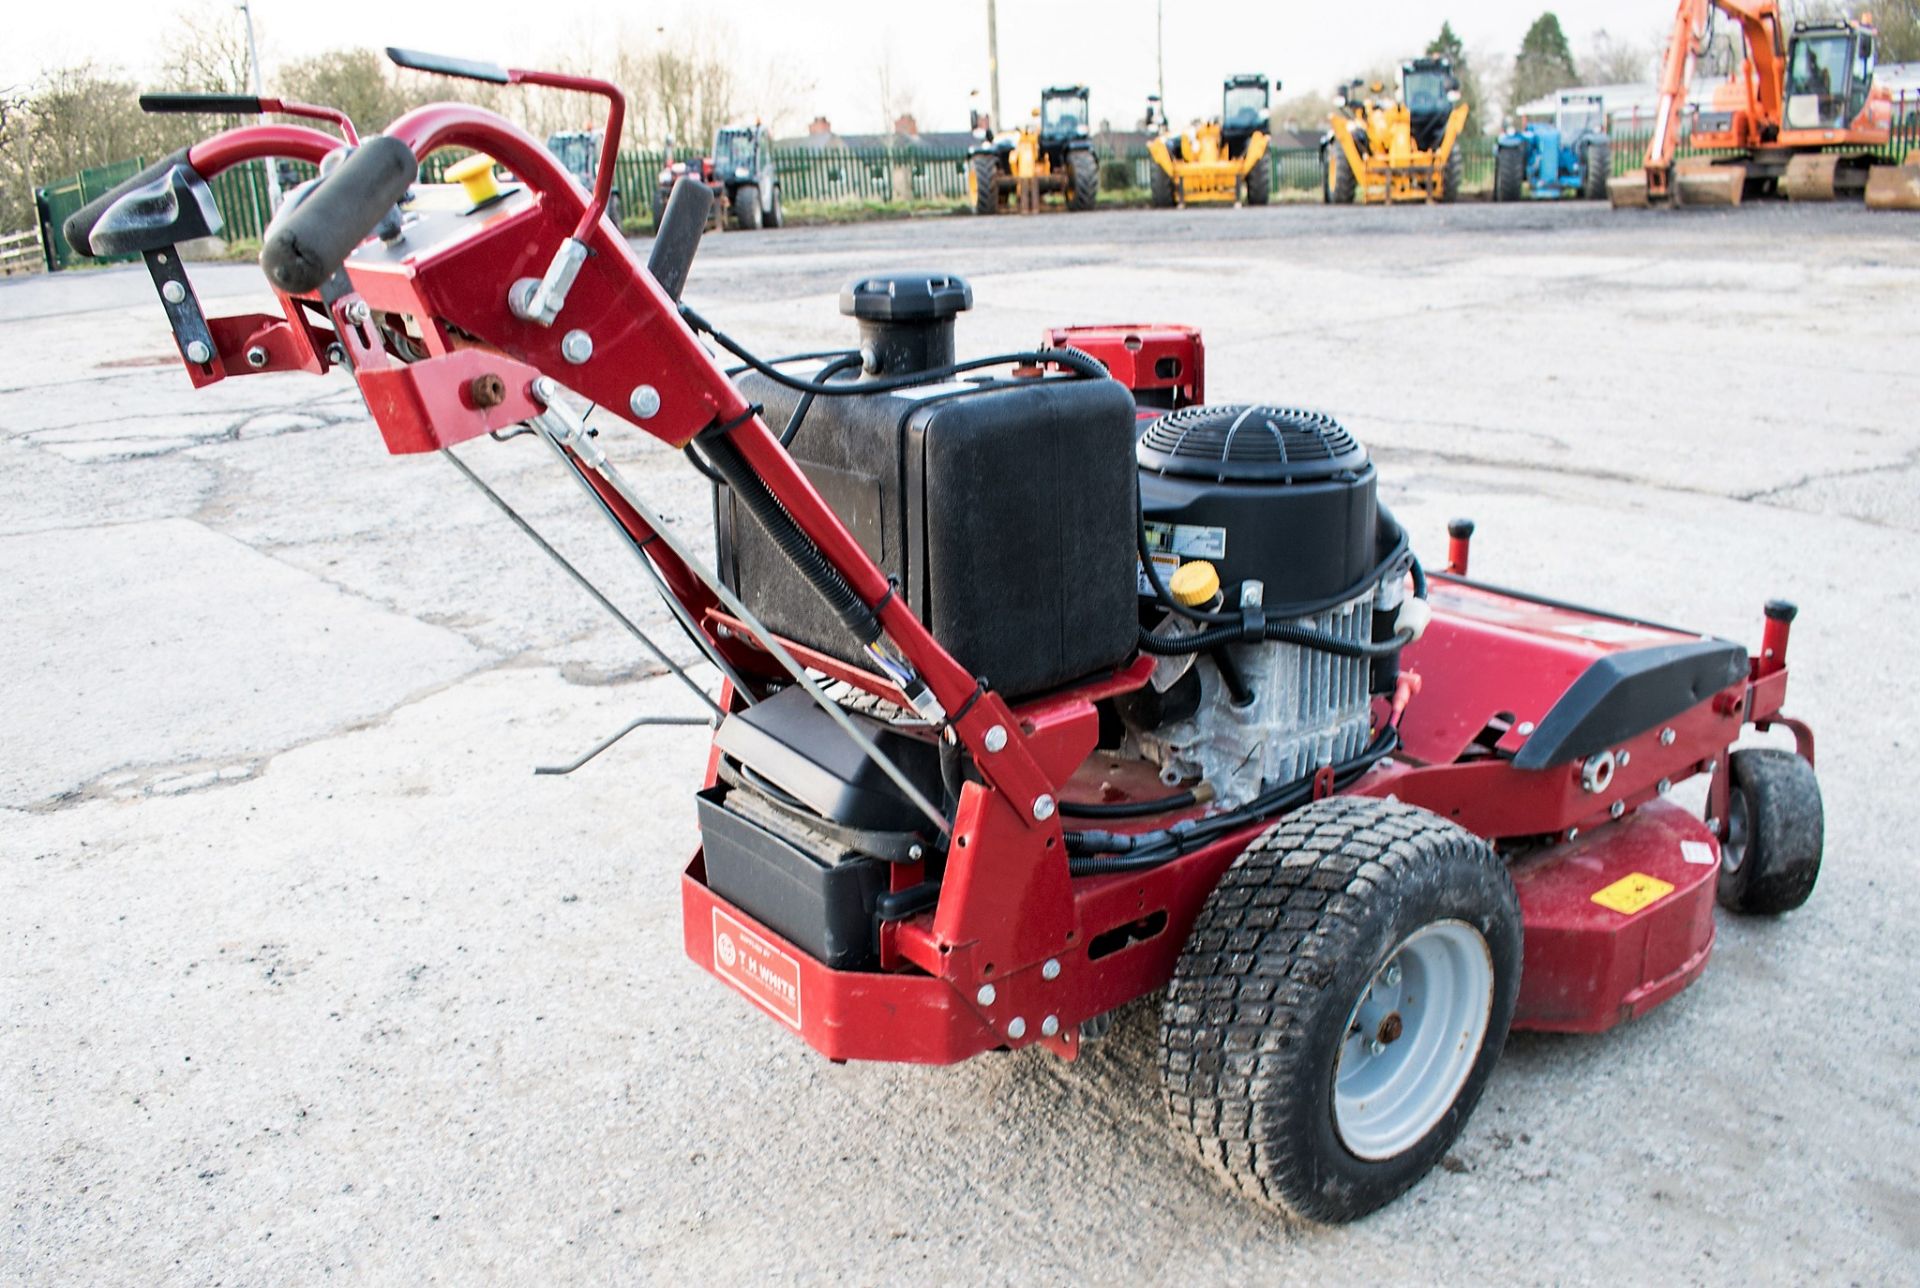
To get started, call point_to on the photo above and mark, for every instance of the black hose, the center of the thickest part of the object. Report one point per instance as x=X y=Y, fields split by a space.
x=801 y=408
x=1079 y=362
x=1283 y=632
x=1128 y=809
x=787 y=534
x=1134 y=852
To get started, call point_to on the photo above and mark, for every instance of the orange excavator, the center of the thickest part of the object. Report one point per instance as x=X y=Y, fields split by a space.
x=1799 y=115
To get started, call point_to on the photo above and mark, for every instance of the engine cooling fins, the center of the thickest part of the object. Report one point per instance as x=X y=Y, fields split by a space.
x=1250 y=442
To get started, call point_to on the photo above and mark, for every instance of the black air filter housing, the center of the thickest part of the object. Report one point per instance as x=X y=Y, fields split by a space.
x=1275 y=494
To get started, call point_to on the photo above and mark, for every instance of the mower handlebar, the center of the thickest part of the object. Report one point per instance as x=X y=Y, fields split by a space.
x=309 y=242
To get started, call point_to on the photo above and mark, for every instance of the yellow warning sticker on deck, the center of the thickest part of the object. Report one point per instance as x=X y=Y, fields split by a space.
x=1633 y=892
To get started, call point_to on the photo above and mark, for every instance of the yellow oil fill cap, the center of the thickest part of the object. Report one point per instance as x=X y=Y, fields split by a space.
x=475 y=174
x=1196 y=583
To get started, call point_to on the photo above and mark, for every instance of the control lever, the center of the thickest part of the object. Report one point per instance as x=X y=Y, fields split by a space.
x=682 y=222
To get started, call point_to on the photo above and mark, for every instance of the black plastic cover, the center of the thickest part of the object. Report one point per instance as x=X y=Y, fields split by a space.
x=1005 y=511
x=1625 y=694
x=171 y=208
x=906 y=297
x=791 y=743
x=812 y=893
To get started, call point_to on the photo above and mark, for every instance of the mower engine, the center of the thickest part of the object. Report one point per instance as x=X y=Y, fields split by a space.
x=1260 y=516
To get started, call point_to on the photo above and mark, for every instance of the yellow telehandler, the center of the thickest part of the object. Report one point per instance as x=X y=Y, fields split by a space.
x=1218 y=161
x=1387 y=149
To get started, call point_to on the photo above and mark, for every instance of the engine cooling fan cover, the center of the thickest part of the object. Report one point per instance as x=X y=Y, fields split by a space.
x=1250 y=443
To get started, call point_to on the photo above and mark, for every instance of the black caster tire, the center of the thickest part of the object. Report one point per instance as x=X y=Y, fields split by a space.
x=1775 y=832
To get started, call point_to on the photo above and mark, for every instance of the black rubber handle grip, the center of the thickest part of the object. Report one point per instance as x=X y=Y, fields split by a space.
x=678 y=236
x=213 y=104
x=78 y=227
x=308 y=243
x=441 y=65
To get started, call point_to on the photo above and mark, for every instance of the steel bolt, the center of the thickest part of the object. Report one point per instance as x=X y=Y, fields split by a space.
x=916 y=852
x=1050 y=1026
x=1016 y=1028
x=1713 y=825
x=1573 y=833
x=358 y=313
x=1377 y=1047
x=1526 y=727
x=1624 y=759
x=1392 y=974
x=1616 y=809
x=576 y=347
x=1043 y=807
x=986 y=995
x=173 y=292
x=197 y=351
x=1713 y=766
x=1667 y=736
x=1666 y=785
x=1051 y=970
x=336 y=355
x=257 y=356
x=996 y=738
x=645 y=402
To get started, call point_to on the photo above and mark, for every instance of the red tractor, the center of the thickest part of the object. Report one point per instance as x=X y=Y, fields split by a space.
x=1047 y=685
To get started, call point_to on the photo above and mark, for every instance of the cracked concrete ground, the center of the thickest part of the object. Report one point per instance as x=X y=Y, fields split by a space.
x=302 y=972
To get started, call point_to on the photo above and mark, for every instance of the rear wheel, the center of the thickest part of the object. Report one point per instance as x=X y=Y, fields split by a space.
x=746 y=206
x=986 y=195
x=1340 y=1004
x=1084 y=183
x=1340 y=182
x=1260 y=180
x=1452 y=175
x=1596 y=167
x=1509 y=173
x=1160 y=188
x=1776 y=830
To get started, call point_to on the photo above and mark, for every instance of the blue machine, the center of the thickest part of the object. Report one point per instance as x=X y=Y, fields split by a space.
x=1570 y=158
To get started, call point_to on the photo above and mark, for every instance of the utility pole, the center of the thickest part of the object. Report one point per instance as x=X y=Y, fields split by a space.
x=1160 y=50
x=993 y=64
x=253 y=64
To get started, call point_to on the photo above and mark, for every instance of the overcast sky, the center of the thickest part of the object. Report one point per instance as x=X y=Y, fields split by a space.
x=834 y=48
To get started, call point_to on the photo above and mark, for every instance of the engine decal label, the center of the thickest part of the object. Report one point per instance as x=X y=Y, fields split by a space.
x=1632 y=892
x=1165 y=565
x=766 y=974
x=1699 y=853
x=1187 y=540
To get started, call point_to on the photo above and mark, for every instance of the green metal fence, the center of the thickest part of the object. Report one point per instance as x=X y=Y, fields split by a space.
x=821 y=175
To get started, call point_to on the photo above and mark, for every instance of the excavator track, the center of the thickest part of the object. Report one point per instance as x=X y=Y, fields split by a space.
x=1895 y=187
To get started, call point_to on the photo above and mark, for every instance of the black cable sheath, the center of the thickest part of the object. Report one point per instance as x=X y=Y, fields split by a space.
x=793 y=542
x=1079 y=362
x=1284 y=632
x=1127 y=809
x=1143 y=850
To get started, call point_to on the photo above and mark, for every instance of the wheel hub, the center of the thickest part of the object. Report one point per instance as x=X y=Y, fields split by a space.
x=1412 y=1040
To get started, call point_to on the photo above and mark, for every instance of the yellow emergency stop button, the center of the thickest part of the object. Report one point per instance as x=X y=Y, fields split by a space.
x=475 y=174
x=1196 y=583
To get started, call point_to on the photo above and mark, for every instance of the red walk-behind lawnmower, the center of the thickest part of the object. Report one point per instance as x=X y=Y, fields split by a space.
x=1045 y=690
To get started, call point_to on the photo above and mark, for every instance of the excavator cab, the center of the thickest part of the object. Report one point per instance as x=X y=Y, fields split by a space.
x=1829 y=74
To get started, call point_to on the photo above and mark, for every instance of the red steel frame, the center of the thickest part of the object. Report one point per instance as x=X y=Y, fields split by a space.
x=1012 y=934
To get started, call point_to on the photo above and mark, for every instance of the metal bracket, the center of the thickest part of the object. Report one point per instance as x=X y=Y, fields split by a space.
x=640 y=723
x=183 y=307
x=540 y=302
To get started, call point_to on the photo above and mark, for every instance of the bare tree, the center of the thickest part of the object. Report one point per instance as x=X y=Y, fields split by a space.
x=1610 y=60
x=360 y=82
x=206 y=52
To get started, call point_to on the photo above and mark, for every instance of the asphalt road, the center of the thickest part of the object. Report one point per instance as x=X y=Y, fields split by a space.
x=303 y=973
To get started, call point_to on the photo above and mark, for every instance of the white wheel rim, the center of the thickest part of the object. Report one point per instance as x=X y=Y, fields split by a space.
x=1412 y=1039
